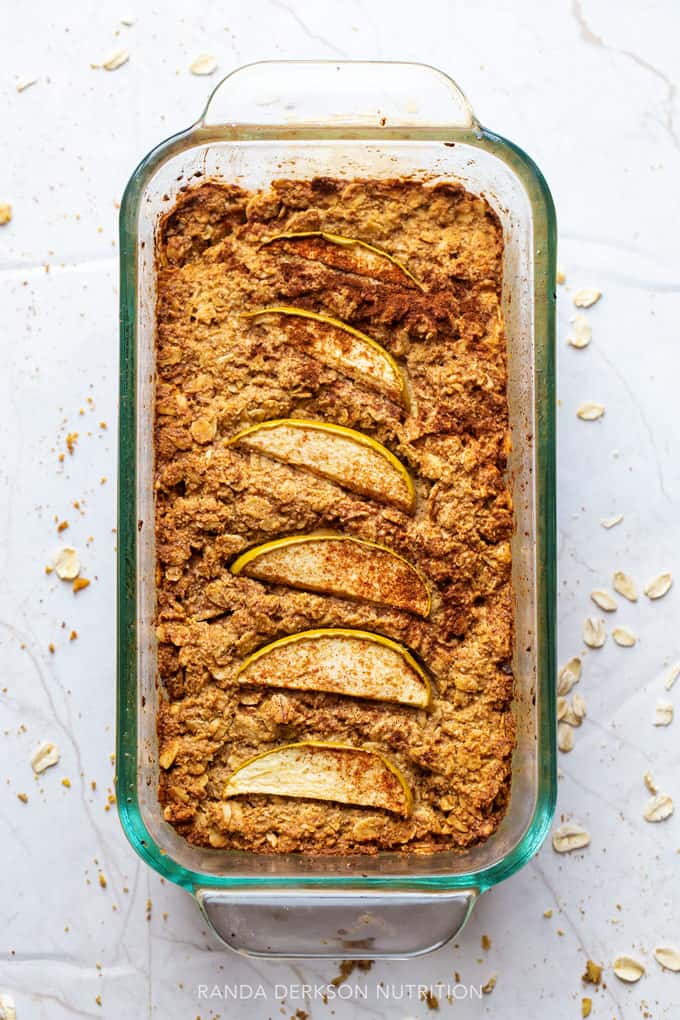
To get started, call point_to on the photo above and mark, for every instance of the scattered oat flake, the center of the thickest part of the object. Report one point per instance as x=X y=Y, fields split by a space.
x=102 y=880
x=5 y=213
x=486 y=942
x=561 y=276
x=590 y=411
x=203 y=64
x=67 y=563
x=71 y=440
x=659 y=586
x=581 y=333
x=490 y=985
x=586 y=297
x=649 y=782
x=611 y=522
x=570 y=717
x=603 y=600
x=568 y=676
x=8 y=1010
x=23 y=797
x=578 y=706
x=668 y=957
x=663 y=713
x=44 y=757
x=593 y=973
x=565 y=737
x=658 y=808
x=114 y=60
x=624 y=637
x=672 y=676
x=628 y=969
x=594 y=633
x=66 y=782
x=80 y=583
x=568 y=837
x=547 y=913
x=25 y=83
x=624 y=585
x=586 y=1006
x=62 y=526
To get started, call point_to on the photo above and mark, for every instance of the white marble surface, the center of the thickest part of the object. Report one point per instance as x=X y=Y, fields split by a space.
x=590 y=90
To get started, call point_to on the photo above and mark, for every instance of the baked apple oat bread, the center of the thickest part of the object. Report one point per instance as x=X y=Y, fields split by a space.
x=333 y=519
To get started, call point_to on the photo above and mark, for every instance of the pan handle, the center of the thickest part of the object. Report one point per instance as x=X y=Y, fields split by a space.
x=334 y=95
x=348 y=924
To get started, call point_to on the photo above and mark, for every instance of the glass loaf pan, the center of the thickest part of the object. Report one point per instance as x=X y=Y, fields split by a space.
x=345 y=119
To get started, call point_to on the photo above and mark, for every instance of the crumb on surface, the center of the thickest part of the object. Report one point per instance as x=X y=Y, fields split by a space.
x=592 y=974
x=430 y=999
x=347 y=968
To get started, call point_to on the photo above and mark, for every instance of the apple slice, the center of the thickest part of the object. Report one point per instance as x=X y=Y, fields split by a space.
x=345 y=456
x=347 y=242
x=356 y=663
x=347 y=349
x=324 y=771
x=341 y=565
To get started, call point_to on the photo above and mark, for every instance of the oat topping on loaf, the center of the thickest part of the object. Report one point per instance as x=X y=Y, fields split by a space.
x=372 y=305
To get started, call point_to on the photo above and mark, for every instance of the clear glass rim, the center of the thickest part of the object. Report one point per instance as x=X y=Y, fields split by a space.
x=545 y=237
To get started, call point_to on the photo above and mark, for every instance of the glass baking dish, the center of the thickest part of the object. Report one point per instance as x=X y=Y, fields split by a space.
x=346 y=119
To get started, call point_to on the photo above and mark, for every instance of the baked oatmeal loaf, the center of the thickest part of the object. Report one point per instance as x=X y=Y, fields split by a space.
x=415 y=362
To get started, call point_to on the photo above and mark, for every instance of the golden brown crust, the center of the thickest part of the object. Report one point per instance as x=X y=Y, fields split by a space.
x=219 y=373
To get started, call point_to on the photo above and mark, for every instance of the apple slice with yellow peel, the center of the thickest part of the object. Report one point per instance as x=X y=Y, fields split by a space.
x=344 y=455
x=356 y=663
x=335 y=564
x=347 y=242
x=346 y=349
x=324 y=771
